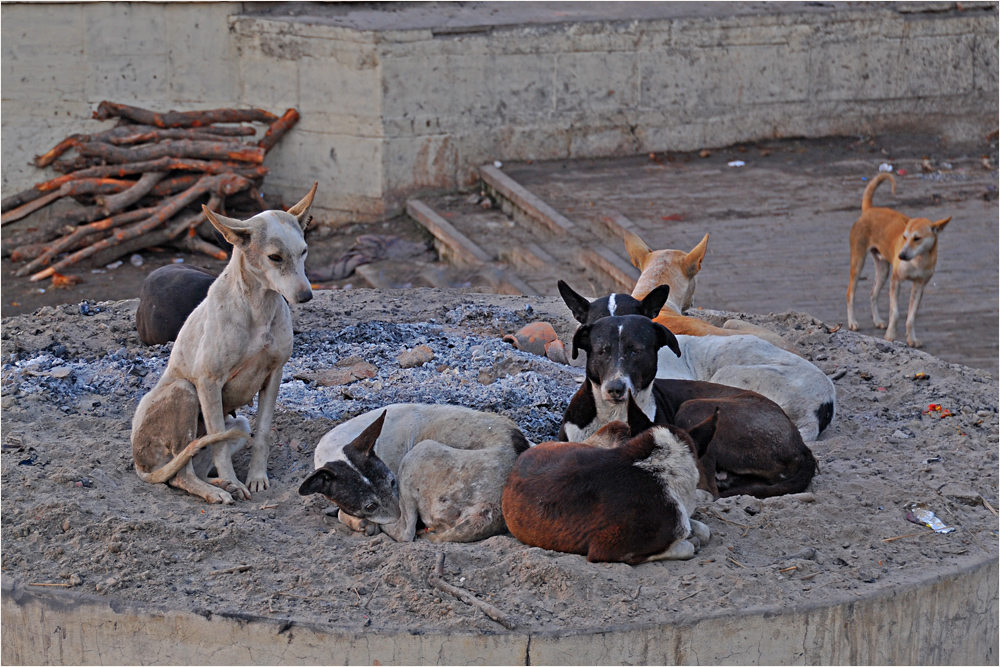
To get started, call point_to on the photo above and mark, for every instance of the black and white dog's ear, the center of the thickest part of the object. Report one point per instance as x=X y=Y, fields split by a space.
x=581 y=339
x=365 y=443
x=666 y=338
x=653 y=302
x=318 y=482
x=577 y=304
x=703 y=433
x=638 y=422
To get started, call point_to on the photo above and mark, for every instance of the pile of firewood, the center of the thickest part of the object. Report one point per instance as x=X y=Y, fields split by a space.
x=141 y=184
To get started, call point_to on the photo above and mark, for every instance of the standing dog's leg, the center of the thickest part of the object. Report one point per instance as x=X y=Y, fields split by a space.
x=858 y=256
x=916 y=293
x=882 y=268
x=266 y=398
x=890 y=331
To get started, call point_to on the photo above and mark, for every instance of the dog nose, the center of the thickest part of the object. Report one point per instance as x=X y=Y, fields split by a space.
x=616 y=389
x=304 y=295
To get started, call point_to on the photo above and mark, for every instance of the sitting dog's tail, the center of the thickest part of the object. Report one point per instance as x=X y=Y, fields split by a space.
x=866 y=200
x=168 y=470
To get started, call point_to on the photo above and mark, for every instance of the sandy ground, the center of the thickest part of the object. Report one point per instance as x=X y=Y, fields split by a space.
x=76 y=515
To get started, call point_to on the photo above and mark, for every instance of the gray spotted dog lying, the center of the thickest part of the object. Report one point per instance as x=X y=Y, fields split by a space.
x=448 y=463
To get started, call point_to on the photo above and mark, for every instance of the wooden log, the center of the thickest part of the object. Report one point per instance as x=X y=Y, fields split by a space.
x=174 y=184
x=71 y=240
x=160 y=164
x=176 y=164
x=122 y=200
x=184 y=148
x=224 y=184
x=157 y=134
x=75 y=164
x=74 y=140
x=106 y=110
x=278 y=129
x=26 y=209
x=34 y=192
x=75 y=188
x=178 y=227
x=196 y=244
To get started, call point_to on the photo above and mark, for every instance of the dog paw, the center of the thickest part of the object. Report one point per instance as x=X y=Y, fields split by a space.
x=232 y=487
x=219 y=497
x=890 y=336
x=914 y=343
x=880 y=325
x=257 y=483
x=853 y=327
x=701 y=532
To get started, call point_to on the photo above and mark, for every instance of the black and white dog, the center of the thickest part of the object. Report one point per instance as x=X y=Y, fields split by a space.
x=802 y=390
x=756 y=450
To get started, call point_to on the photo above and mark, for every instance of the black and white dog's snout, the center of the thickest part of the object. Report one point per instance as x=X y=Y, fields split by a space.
x=617 y=388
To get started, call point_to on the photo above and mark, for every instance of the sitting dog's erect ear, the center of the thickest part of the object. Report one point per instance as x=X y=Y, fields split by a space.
x=702 y=433
x=365 y=443
x=581 y=339
x=301 y=209
x=637 y=419
x=940 y=224
x=666 y=337
x=577 y=304
x=234 y=231
x=692 y=261
x=653 y=302
x=637 y=250
x=319 y=482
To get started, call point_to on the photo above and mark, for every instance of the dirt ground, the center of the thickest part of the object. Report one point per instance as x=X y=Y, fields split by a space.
x=75 y=515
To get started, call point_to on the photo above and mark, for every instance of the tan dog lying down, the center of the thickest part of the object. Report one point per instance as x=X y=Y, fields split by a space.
x=680 y=269
x=451 y=464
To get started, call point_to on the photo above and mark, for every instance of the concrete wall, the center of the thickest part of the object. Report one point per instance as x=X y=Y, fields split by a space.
x=942 y=619
x=389 y=109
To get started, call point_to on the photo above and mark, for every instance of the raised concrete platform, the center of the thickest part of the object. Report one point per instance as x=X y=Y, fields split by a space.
x=416 y=97
x=946 y=618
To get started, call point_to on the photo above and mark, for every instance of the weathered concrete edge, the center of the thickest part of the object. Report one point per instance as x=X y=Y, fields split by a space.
x=949 y=618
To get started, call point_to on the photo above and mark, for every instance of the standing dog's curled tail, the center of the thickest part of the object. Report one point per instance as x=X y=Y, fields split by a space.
x=866 y=199
x=171 y=468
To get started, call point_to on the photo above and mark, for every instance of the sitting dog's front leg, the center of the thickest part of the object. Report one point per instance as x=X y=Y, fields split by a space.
x=210 y=399
x=266 y=398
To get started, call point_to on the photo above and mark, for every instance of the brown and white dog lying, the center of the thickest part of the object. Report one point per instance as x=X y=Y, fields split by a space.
x=451 y=463
x=903 y=248
x=756 y=450
x=631 y=502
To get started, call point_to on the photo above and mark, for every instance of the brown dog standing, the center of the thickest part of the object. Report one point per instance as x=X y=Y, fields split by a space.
x=906 y=246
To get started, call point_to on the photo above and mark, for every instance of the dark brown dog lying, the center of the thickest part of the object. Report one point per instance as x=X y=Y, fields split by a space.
x=757 y=450
x=168 y=295
x=630 y=503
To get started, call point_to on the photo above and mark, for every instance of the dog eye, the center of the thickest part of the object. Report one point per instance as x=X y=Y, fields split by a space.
x=305 y=251
x=276 y=258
